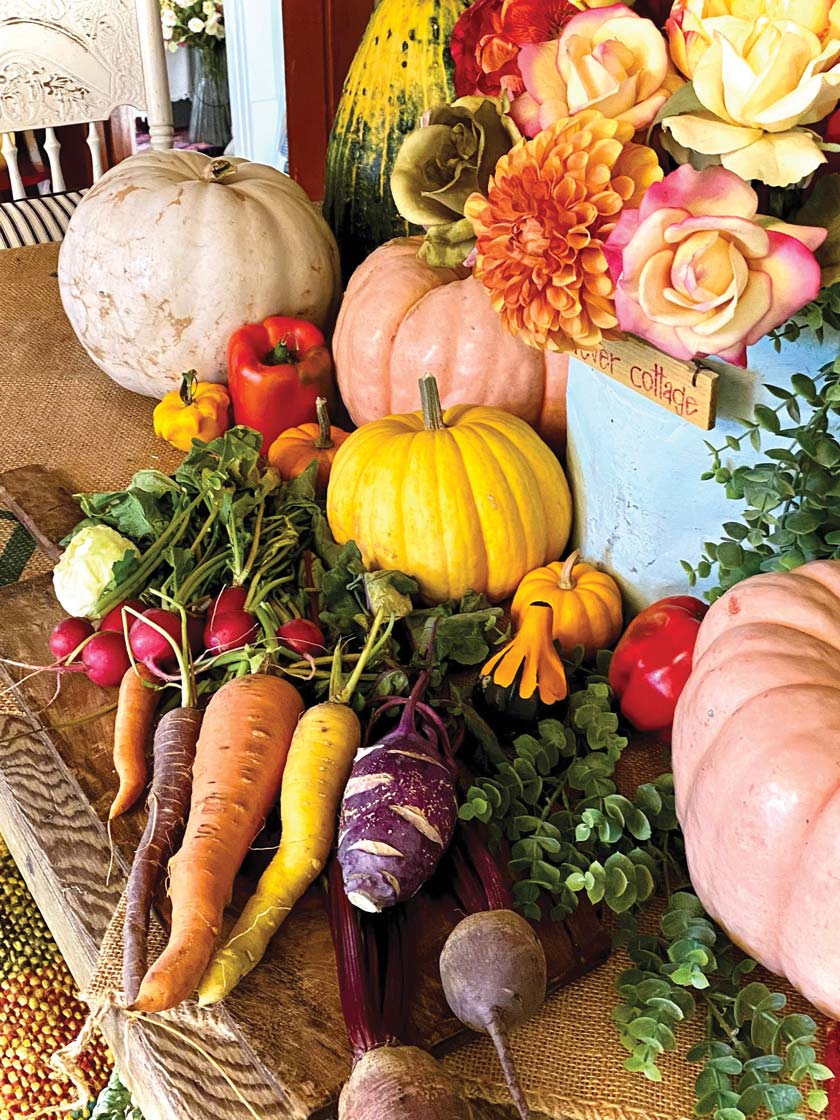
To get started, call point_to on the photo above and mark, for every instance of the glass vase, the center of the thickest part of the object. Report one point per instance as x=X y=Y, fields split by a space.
x=210 y=117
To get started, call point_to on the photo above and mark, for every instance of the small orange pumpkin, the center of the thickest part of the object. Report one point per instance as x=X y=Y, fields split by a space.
x=586 y=603
x=293 y=450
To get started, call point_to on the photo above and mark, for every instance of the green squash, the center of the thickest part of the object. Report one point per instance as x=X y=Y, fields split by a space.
x=402 y=68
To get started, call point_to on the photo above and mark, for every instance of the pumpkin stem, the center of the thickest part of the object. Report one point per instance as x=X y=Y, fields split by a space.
x=189 y=380
x=430 y=403
x=281 y=355
x=566 y=582
x=218 y=169
x=324 y=439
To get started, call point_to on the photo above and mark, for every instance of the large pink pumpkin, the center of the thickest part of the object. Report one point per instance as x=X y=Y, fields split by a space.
x=756 y=756
x=401 y=319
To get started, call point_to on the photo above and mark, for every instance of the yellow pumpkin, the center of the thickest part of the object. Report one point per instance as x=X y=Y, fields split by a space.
x=467 y=499
x=586 y=603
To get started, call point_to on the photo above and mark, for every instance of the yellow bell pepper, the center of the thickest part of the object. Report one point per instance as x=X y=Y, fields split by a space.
x=198 y=410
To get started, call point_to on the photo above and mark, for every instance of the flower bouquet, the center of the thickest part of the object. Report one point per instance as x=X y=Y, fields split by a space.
x=200 y=24
x=613 y=173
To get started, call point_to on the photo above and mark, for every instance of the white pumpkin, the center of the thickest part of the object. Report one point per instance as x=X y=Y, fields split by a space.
x=170 y=252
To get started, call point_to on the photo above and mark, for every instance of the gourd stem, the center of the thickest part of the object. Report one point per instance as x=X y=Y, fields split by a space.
x=566 y=582
x=430 y=403
x=324 y=440
x=188 y=384
x=219 y=169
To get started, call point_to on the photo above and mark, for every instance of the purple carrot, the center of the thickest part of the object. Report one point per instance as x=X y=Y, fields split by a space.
x=169 y=799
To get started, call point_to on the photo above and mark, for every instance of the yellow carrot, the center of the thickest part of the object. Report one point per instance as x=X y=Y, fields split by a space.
x=320 y=757
x=317 y=768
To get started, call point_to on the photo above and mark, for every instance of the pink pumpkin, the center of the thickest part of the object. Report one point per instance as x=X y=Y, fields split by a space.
x=401 y=319
x=756 y=756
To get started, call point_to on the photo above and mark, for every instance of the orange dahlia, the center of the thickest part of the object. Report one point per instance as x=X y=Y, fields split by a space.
x=540 y=232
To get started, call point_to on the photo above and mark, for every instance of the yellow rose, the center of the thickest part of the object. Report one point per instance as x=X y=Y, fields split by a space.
x=761 y=70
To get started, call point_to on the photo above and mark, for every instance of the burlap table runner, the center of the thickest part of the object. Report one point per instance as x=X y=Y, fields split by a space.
x=60 y=410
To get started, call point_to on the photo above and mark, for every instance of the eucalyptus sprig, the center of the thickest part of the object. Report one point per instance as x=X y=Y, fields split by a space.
x=790 y=498
x=753 y=1057
x=554 y=798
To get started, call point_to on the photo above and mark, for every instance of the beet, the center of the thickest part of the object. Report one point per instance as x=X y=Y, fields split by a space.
x=401 y=1083
x=493 y=972
x=69 y=635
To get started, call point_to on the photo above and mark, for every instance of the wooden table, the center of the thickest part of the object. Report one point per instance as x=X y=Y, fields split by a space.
x=276 y=1048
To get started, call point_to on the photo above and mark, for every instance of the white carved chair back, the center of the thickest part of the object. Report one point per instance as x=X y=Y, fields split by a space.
x=75 y=62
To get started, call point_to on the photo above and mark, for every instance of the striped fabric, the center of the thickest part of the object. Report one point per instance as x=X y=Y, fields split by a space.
x=33 y=221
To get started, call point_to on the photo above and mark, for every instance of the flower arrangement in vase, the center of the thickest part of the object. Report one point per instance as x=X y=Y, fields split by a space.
x=200 y=25
x=656 y=173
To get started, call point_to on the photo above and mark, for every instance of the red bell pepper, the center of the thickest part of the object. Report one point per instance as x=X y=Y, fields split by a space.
x=652 y=662
x=276 y=371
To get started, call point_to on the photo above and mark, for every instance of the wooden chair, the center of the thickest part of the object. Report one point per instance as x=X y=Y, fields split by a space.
x=75 y=62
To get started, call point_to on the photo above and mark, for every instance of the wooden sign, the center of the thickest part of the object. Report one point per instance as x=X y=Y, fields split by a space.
x=684 y=388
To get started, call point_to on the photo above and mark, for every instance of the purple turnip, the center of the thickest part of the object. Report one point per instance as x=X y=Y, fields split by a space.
x=494 y=977
x=399 y=808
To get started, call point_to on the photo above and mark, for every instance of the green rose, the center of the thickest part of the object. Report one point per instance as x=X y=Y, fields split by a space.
x=441 y=164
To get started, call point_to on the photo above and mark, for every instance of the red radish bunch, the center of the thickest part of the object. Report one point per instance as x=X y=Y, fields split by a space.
x=68 y=635
x=151 y=648
x=229 y=626
x=113 y=620
x=106 y=659
x=103 y=656
x=302 y=637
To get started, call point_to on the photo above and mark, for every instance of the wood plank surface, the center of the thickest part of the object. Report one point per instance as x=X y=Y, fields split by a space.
x=278 y=1041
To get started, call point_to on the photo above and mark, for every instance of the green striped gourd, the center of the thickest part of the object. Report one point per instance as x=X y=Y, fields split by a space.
x=402 y=67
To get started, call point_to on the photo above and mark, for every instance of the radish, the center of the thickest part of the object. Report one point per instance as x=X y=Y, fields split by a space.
x=151 y=647
x=68 y=635
x=229 y=599
x=106 y=659
x=113 y=620
x=302 y=636
x=492 y=966
x=231 y=630
x=399 y=808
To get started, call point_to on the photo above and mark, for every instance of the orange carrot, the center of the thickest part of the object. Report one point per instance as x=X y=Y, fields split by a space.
x=136 y=707
x=239 y=764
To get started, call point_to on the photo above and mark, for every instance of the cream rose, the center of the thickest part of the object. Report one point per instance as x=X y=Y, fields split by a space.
x=697 y=271
x=607 y=59
x=761 y=71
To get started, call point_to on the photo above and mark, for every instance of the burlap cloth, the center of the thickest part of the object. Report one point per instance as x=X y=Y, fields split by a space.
x=60 y=410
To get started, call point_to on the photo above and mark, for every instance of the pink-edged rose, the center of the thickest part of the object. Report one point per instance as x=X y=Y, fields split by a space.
x=609 y=59
x=698 y=272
